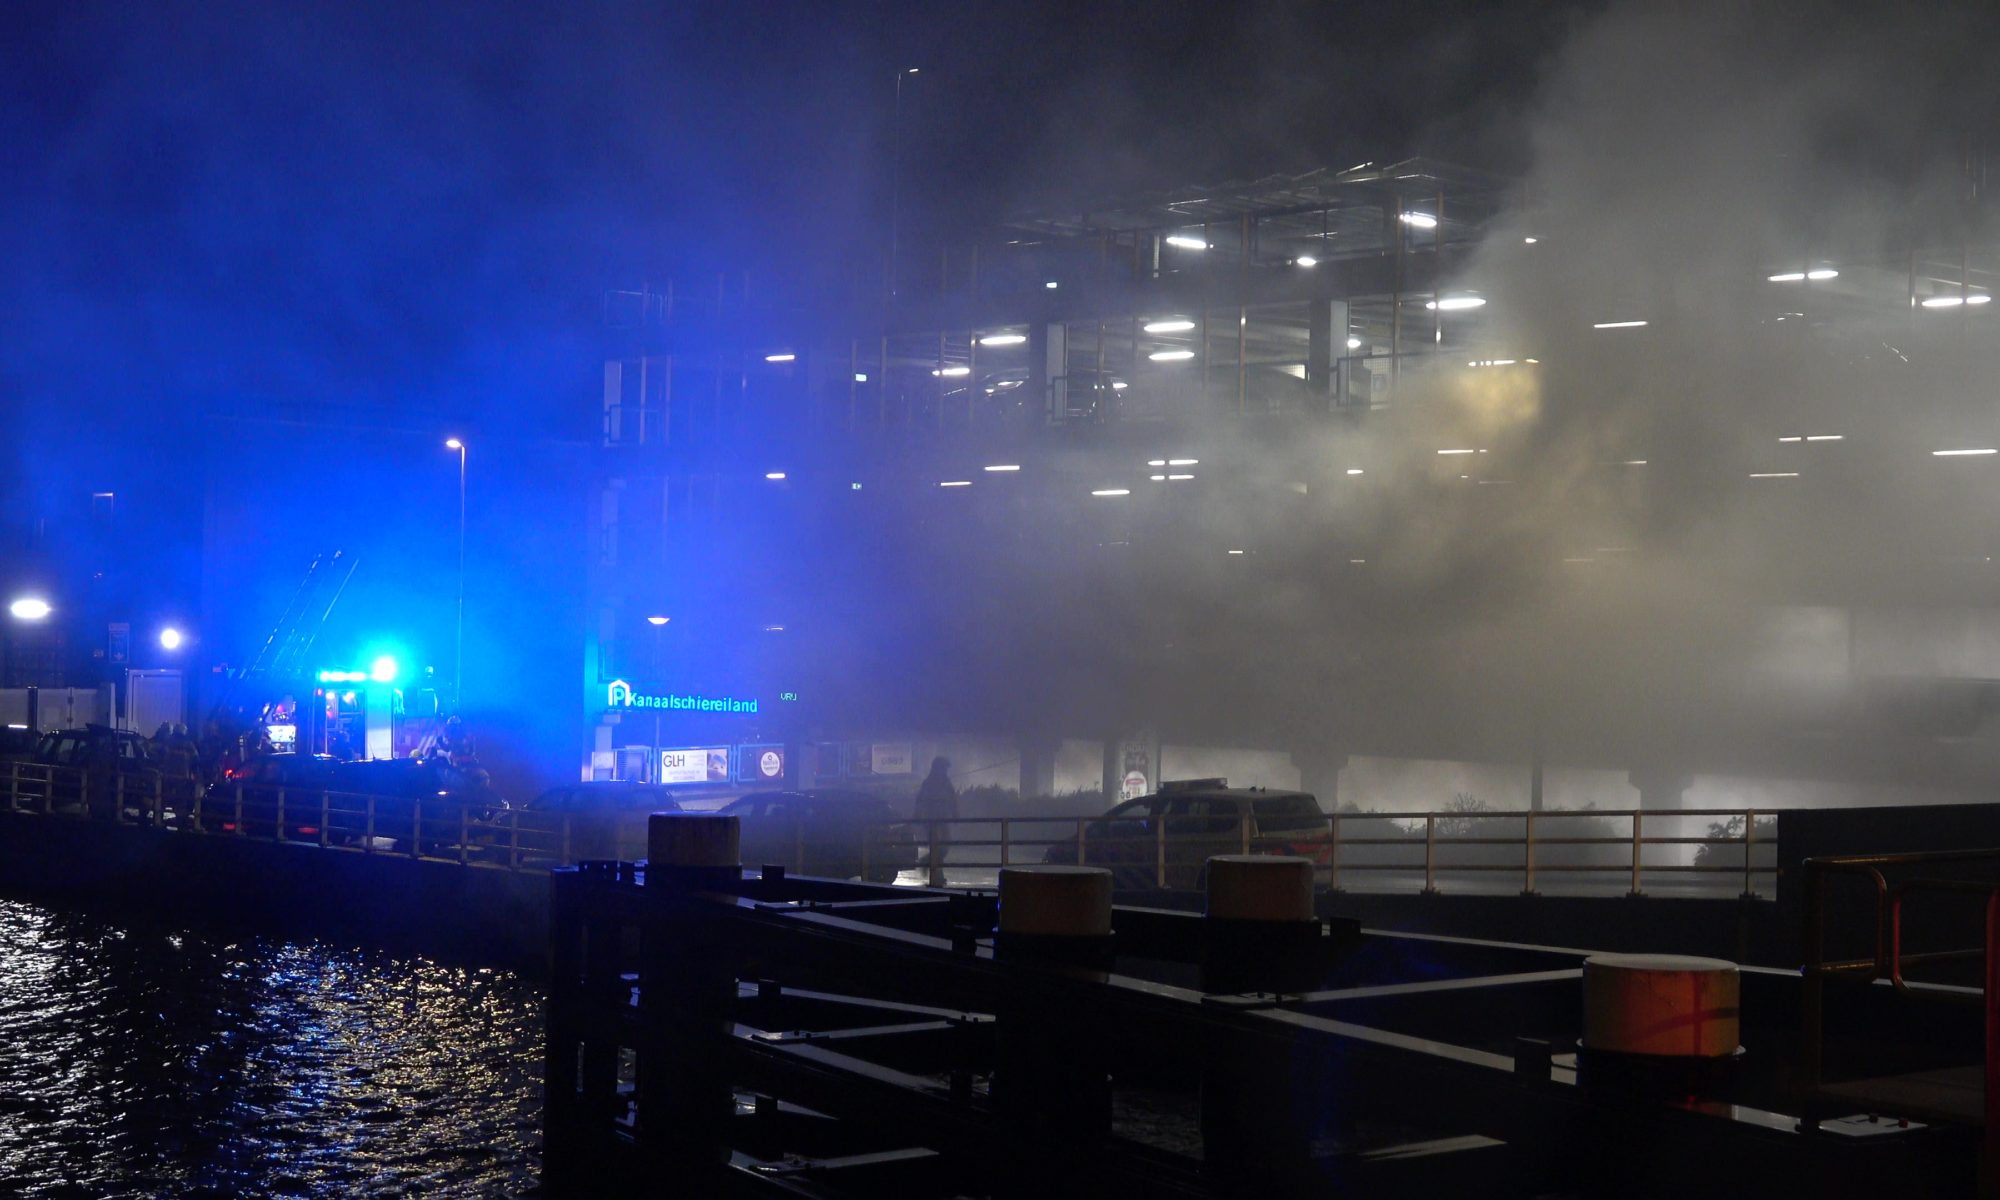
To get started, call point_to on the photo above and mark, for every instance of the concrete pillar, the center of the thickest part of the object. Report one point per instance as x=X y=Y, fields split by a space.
x=1038 y=764
x=1048 y=368
x=1660 y=787
x=1326 y=342
x=1319 y=773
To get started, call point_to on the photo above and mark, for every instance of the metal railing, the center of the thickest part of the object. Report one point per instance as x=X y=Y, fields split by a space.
x=1614 y=850
x=1889 y=960
x=438 y=830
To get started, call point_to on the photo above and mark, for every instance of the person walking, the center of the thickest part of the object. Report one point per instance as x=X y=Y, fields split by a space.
x=936 y=805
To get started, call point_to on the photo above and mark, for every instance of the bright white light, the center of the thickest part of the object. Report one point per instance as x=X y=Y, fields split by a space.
x=956 y=483
x=779 y=357
x=656 y=620
x=1788 y=277
x=1955 y=301
x=1003 y=339
x=1822 y=274
x=1357 y=561
x=1530 y=240
x=774 y=629
x=774 y=475
x=1936 y=453
x=953 y=372
x=1791 y=439
x=1306 y=260
x=383 y=669
x=1826 y=437
x=1173 y=477
x=1156 y=462
x=1119 y=385
x=1112 y=492
x=853 y=487
x=1004 y=467
x=1052 y=285
x=1157 y=478
x=1774 y=474
x=1420 y=220
x=1187 y=243
x=1633 y=462
x=1619 y=325
x=1171 y=355
x=1176 y=325
x=1183 y=462
x=1354 y=343
x=1491 y=362
x=1456 y=303
x=860 y=378
x=453 y=444
x=30 y=608
x=170 y=638
x=1232 y=552
x=1467 y=451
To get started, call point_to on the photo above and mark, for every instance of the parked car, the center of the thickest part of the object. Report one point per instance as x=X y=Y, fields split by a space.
x=398 y=787
x=1191 y=821
x=825 y=831
x=607 y=818
x=84 y=768
x=302 y=777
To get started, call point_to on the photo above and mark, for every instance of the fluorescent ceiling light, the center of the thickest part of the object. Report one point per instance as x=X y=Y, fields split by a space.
x=1961 y=453
x=953 y=371
x=1112 y=492
x=1456 y=303
x=1774 y=474
x=860 y=378
x=1183 y=462
x=1791 y=439
x=1156 y=478
x=1816 y=275
x=1156 y=462
x=1187 y=243
x=1354 y=470
x=1003 y=339
x=1633 y=462
x=1232 y=552
x=1788 y=277
x=1467 y=451
x=1119 y=385
x=1529 y=241
x=1822 y=274
x=1171 y=355
x=1354 y=343
x=774 y=474
x=1175 y=325
x=1052 y=285
x=1420 y=220
x=955 y=483
x=779 y=357
x=1826 y=437
x=1172 y=477
x=1004 y=467
x=1955 y=301
x=1618 y=325
x=1306 y=260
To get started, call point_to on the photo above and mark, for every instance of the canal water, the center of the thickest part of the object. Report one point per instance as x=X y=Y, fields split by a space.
x=148 y=1060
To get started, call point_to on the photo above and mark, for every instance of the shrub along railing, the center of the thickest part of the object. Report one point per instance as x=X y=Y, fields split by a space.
x=1604 y=851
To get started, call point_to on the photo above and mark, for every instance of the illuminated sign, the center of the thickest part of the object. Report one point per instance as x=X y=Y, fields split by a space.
x=343 y=676
x=705 y=764
x=893 y=759
x=761 y=764
x=619 y=694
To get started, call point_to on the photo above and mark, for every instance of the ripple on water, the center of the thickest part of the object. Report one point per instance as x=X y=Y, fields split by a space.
x=157 y=1062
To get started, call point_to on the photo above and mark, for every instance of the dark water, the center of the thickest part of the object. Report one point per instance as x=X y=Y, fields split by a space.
x=140 y=1060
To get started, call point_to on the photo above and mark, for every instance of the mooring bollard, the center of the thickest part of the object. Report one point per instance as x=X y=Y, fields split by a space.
x=687 y=986
x=1051 y=1086
x=1259 y=936
x=1660 y=1025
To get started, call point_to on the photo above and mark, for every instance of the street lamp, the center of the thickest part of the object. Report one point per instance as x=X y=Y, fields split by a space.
x=30 y=608
x=170 y=638
x=458 y=654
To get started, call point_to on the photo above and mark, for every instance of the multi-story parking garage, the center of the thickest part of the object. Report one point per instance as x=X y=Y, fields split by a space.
x=1393 y=480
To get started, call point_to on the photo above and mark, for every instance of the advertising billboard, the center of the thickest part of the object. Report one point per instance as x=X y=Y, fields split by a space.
x=700 y=764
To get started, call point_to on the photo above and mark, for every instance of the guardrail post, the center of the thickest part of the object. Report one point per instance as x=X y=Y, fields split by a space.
x=465 y=833
x=1243 y=830
x=799 y=846
x=1749 y=841
x=513 y=839
x=1430 y=854
x=239 y=810
x=368 y=828
x=417 y=827
x=325 y=812
x=1006 y=840
x=1333 y=852
x=1638 y=841
x=1160 y=851
x=14 y=787
x=83 y=790
x=159 y=801
x=1528 y=859
x=1080 y=859
x=200 y=794
x=565 y=839
x=278 y=830
x=118 y=799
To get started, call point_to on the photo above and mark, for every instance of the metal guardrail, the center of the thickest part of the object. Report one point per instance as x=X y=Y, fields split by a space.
x=1165 y=854
x=438 y=830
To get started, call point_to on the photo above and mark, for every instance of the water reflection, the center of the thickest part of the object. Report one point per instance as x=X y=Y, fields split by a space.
x=148 y=1061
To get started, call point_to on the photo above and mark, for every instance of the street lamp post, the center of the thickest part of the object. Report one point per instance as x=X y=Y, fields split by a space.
x=659 y=625
x=458 y=653
x=896 y=180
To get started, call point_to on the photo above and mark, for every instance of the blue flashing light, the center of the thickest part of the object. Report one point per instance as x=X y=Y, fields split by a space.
x=383 y=669
x=343 y=676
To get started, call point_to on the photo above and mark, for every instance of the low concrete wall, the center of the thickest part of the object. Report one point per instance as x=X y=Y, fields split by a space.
x=469 y=913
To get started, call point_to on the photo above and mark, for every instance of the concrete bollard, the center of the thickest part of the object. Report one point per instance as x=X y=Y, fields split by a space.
x=687 y=986
x=1660 y=1024
x=1051 y=1083
x=1259 y=935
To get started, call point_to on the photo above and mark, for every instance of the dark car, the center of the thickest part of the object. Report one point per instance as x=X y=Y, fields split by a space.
x=261 y=782
x=825 y=831
x=607 y=818
x=386 y=798
x=84 y=767
x=1186 y=823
